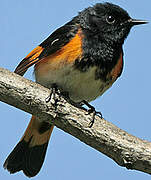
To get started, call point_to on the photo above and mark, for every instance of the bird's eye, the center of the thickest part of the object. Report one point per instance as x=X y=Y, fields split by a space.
x=110 y=19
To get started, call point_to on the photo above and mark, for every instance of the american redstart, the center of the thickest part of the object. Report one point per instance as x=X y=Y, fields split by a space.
x=84 y=57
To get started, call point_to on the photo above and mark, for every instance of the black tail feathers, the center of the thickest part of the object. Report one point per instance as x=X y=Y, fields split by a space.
x=26 y=158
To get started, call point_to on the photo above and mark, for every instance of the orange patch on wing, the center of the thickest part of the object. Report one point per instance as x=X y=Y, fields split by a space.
x=72 y=50
x=66 y=55
x=29 y=60
x=35 y=52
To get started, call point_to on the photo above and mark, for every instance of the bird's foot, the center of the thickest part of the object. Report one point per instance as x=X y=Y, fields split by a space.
x=93 y=111
x=52 y=97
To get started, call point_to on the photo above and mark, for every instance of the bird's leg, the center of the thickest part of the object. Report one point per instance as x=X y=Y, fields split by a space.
x=93 y=111
x=54 y=90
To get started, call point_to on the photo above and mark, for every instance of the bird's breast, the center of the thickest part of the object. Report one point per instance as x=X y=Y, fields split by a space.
x=79 y=85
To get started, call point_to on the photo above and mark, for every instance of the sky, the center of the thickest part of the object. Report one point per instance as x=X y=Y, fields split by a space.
x=26 y=23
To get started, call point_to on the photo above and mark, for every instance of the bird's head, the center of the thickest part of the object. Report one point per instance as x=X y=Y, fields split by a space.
x=109 y=21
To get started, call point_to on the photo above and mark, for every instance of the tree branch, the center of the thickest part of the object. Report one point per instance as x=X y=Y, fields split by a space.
x=125 y=149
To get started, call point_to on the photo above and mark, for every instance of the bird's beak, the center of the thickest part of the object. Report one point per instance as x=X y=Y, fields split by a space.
x=136 y=22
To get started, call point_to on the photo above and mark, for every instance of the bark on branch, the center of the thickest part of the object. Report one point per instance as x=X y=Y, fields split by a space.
x=126 y=150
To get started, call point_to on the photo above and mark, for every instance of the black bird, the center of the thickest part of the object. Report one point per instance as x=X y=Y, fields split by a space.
x=84 y=57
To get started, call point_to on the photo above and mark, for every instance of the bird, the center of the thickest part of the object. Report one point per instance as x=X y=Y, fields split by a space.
x=83 y=57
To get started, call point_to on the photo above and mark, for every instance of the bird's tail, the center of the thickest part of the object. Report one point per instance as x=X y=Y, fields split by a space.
x=29 y=153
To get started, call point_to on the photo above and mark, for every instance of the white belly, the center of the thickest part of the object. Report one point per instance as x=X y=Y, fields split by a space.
x=79 y=85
